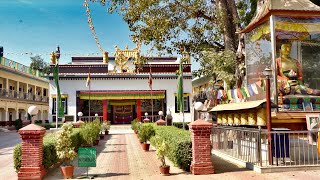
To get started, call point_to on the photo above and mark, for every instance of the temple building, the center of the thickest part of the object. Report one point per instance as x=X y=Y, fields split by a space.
x=20 y=88
x=118 y=88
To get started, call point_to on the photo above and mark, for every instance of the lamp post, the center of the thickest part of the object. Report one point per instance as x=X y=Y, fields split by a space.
x=198 y=106
x=268 y=72
x=80 y=114
x=160 y=114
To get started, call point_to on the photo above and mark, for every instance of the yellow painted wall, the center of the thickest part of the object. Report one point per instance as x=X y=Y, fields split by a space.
x=23 y=78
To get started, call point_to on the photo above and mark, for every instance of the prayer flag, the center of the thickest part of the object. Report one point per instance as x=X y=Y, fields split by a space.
x=150 y=79
x=88 y=79
x=59 y=107
x=180 y=88
x=254 y=88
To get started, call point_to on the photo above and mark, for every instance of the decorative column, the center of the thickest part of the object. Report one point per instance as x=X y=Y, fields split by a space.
x=31 y=155
x=139 y=109
x=6 y=117
x=105 y=109
x=201 y=147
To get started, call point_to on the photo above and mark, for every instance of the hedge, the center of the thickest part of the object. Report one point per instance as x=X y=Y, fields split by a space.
x=180 y=125
x=180 y=146
x=49 y=157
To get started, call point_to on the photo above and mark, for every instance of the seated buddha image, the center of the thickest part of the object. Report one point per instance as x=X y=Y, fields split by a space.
x=290 y=76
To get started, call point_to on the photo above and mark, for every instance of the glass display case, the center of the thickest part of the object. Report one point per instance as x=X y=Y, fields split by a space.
x=291 y=47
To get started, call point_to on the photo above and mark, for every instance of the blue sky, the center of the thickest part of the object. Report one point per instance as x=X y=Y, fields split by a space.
x=38 y=26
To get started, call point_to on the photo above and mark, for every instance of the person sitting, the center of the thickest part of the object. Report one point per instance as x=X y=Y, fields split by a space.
x=289 y=75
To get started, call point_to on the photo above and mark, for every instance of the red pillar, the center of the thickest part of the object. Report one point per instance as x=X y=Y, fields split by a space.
x=31 y=156
x=105 y=110
x=139 y=109
x=201 y=147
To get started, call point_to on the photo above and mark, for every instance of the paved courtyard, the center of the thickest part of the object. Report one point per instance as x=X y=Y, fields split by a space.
x=121 y=157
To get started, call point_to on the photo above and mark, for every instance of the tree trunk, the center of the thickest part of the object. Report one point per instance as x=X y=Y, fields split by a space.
x=227 y=14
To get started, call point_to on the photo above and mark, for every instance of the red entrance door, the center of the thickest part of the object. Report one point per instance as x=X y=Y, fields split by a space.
x=122 y=114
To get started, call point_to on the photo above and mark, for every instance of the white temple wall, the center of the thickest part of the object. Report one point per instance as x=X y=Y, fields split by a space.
x=70 y=87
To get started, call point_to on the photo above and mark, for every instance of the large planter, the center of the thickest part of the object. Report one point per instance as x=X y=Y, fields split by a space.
x=165 y=170
x=145 y=146
x=67 y=171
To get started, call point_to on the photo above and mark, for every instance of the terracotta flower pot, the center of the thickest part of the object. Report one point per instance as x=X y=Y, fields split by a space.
x=101 y=136
x=96 y=142
x=67 y=171
x=145 y=146
x=165 y=170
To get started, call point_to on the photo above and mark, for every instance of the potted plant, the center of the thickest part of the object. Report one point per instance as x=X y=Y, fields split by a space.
x=87 y=133
x=162 y=150
x=65 y=150
x=145 y=133
x=96 y=126
x=134 y=125
x=106 y=127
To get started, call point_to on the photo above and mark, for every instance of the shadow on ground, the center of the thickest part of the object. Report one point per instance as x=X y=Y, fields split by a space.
x=224 y=166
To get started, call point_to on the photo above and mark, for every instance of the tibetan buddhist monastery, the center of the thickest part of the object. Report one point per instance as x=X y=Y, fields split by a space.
x=285 y=37
x=120 y=89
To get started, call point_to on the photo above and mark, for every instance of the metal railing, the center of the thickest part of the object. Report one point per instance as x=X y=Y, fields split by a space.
x=289 y=148
x=11 y=94
x=20 y=67
x=90 y=118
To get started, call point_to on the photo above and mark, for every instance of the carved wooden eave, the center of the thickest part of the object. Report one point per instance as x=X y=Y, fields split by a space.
x=103 y=68
x=288 y=8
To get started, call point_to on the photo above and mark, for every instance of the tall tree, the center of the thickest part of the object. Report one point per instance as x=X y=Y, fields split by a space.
x=197 y=25
x=38 y=63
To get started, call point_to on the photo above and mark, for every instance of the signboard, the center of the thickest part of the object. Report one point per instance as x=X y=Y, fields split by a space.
x=87 y=157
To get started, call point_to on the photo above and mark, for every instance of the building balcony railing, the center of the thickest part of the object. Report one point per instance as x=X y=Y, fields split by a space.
x=11 y=94
x=20 y=67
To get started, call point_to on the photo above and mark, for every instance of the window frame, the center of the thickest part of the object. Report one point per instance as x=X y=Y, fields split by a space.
x=65 y=104
x=186 y=99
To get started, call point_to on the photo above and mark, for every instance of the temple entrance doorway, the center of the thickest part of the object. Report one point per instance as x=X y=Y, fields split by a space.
x=122 y=114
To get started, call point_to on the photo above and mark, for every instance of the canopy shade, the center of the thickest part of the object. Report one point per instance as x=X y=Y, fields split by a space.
x=129 y=94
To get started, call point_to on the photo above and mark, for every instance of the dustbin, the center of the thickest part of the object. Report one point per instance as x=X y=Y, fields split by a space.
x=280 y=143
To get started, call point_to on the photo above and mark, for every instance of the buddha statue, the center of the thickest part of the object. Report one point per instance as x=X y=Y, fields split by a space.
x=289 y=75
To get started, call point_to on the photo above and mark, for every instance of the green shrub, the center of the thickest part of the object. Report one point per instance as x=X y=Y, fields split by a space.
x=64 y=148
x=89 y=132
x=180 y=125
x=146 y=132
x=134 y=124
x=179 y=142
x=17 y=157
x=18 y=124
x=49 y=149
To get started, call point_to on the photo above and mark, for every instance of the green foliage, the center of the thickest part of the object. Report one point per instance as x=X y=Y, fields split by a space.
x=64 y=148
x=49 y=151
x=179 y=145
x=162 y=149
x=196 y=25
x=89 y=131
x=134 y=124
x=50 y=156
x=18 y=124
x=145 y=133
x=180 y=125
x=38 y=63
x=105 y=126
x=17 y=157
x=219 y=66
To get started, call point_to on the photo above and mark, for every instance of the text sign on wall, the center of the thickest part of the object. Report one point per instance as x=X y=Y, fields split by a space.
x=87 y=157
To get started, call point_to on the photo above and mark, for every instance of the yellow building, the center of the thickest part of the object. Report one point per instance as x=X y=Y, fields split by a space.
x=20 y=88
